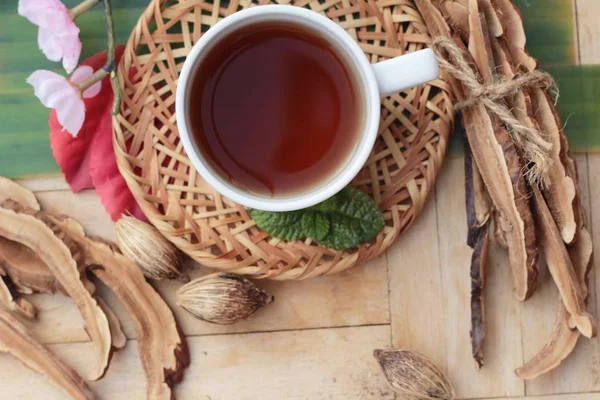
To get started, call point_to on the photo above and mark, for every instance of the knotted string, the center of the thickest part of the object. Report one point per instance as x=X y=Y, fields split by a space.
x=534 y=147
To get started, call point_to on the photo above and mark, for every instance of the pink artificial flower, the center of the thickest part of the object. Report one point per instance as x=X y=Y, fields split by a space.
x=58 y=36
x=62 y=95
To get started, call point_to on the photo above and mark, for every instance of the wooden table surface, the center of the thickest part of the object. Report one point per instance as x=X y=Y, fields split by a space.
x=316 y=341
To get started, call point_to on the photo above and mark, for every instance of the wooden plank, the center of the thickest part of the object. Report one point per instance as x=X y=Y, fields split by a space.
x=85 y=207
x=502 y=348
x=46 y=184
x=588 y=29
x=310 y=364
x=574 y=396
x=579 y=372
x=594 y=217
x=417 y=309
x=355 y=297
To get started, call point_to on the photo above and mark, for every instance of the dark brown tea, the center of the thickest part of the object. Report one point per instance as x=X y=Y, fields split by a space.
x=274 y=109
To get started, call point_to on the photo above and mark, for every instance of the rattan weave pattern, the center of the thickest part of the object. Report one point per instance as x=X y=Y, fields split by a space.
x=399 y=175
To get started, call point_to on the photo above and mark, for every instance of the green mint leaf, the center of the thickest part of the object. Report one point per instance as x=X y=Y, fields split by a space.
x=315 y=224
x=341 y=222
x=282 y=225
x=355 y=219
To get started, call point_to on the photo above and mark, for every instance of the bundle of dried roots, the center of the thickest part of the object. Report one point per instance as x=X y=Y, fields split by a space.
x=520 y=176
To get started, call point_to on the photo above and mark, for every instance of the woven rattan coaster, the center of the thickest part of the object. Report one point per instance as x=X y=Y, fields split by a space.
x=215 y=231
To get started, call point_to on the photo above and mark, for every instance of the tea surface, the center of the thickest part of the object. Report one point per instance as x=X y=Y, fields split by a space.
x=274 y=109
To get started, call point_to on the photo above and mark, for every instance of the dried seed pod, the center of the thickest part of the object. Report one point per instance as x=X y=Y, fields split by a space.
x=152 y=252
x=413 y=376
x=222 y=298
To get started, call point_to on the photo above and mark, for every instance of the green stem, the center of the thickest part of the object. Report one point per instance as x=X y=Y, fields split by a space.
x=110 y=68
x=82 y=8
x=110 y=65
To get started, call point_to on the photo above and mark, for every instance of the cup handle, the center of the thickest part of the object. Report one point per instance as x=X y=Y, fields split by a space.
x=404 y=72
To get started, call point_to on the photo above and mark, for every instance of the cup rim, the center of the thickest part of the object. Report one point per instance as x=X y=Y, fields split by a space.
x=345 y=172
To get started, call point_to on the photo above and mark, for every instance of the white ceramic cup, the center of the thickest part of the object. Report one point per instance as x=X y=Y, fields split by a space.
x=374 y=81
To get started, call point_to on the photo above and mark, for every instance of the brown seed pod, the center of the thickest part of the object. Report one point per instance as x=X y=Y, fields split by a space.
x=222 y=298
x=152 y=252
x=413 y=376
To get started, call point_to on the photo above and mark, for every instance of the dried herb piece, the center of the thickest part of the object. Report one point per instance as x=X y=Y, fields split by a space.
x=222 y=298
x=478 y=202
x=563 y=338
x=118 y=338
x=561 y=343
x=533 y=106
x=13 y=191
x=16 y=340
x=562 y=192
x=561 y=268
x=457 y=16
x=580 y=252
x=524 y=273
x=413 y=376
x=152 y=252
x=33 y=233
x=13 y=303
x=479 y=261
x=498 y=233
x=26 y=270
x=28 y=273
x=340 y=222
x=68 y=253
x=479 y=211
x=162 y=348
x=512 y=24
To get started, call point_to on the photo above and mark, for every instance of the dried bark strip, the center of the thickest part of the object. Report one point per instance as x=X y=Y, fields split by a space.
x=563 y=190
x=539 y=107
x=478 y=201
x=163 y=350
x=498 y=232
x=561 y=344
x=15 y=340
x=480 y=47
x=33 y=233
x=29 y=236
x=14 y=303
x=14 y=191
x=490 y=159
x=19 y=263
x=29 y=274
x=479 y=211
x=563 y=339
x=561 y=268
x=580 y=253
x=26 y=270
x=456 y=14
x=479 y=261
x=118 y=338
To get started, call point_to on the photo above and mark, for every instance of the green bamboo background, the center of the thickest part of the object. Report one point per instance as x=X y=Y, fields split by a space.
x=550 y=29
x=24 y=145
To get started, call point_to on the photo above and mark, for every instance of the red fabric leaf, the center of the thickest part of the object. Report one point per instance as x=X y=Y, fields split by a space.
x=110 y=185
x=88 y=160
x=72 y=154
